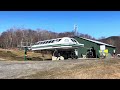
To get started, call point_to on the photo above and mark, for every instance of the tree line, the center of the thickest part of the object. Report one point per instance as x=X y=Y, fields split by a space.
x=13 y=37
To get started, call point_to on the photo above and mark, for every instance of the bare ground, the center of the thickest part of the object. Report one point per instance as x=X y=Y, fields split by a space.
x=67 y=69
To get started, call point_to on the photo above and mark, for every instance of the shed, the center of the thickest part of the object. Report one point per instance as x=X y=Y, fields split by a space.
x=96 y=45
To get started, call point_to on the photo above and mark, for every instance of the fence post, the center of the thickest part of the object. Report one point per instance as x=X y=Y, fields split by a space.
x=25 y=54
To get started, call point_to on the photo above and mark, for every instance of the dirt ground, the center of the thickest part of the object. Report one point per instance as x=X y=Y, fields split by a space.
x=66 y=69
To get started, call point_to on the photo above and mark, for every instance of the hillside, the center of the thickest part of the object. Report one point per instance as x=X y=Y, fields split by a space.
x=113 y=40
x=18 y=55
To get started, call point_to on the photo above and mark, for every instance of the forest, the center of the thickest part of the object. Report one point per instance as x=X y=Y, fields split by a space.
x=13 y=37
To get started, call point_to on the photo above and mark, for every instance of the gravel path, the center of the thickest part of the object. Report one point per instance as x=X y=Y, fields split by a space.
x=18 y=69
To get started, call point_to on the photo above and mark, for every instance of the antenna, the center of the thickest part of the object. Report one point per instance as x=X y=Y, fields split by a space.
x=75 y=29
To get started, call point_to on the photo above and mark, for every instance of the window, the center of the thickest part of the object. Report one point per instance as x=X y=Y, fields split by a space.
x=52 y=41
x=75 y=40
x=46 y=42
x=49 y=41
x=59 y=39
x=72 y=40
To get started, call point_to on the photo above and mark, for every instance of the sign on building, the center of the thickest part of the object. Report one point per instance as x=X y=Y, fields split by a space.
x=102 y=47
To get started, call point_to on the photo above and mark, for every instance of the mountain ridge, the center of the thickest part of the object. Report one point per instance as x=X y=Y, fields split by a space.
x=112 y=40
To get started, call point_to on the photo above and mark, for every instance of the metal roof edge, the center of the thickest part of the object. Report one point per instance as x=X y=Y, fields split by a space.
x=98 y=42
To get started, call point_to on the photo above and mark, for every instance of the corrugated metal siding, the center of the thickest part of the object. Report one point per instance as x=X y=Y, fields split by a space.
x=97 y=48
x=89 y=44
x=110 y=50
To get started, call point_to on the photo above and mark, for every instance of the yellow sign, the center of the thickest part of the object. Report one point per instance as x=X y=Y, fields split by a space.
x=106 y=50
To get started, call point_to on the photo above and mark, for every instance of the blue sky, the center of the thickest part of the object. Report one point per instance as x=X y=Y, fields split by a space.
x=94 y=23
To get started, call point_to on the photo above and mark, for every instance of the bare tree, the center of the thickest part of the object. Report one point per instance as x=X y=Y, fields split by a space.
x=13 y=37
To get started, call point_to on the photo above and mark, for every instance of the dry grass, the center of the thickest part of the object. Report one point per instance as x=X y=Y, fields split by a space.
x=108 y=69
x=15 y=54
x=87 y=69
